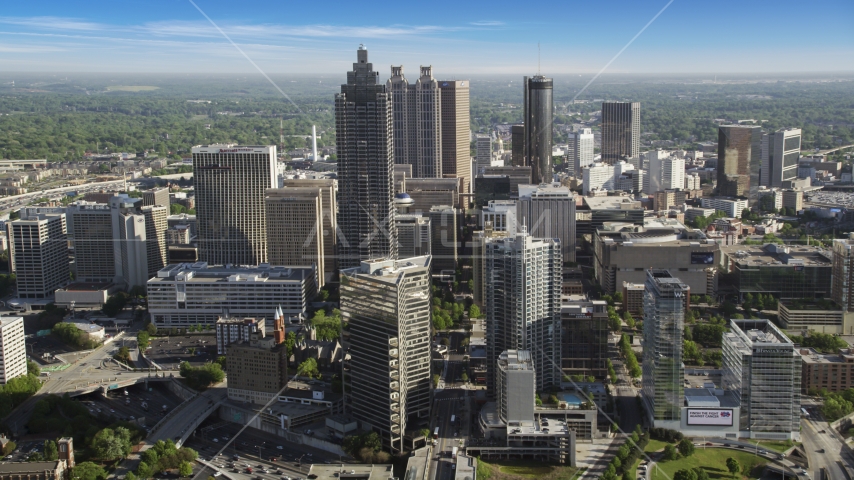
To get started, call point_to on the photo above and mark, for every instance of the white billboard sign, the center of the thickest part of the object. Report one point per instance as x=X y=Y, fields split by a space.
x=710 y=416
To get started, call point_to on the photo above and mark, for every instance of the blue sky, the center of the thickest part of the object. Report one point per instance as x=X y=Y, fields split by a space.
x=456 y=37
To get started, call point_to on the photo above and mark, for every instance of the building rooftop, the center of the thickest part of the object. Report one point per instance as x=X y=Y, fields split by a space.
x=811 y=356
x=388 y=270
x=617 y=202
x=201 y=272
x=778 y=255
x=356 y=471
x=545 y=189
x=12 y=468
x=516 y=360
x=746 y=335
x=710 y=397
x=7 y=320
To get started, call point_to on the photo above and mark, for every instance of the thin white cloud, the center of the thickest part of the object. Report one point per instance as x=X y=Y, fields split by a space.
x=487 y=23
x=29 y=49
x=52 y=23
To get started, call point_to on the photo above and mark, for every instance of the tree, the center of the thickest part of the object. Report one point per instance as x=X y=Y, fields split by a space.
x=115 y=304
x=424 y=432
x=123 y=355
x=436 y=379
x=701 y=474
x=686 y=448
x=143 y=340
x=464 y=377
x=732 y=465
x=130 y=476
x=51 y=452
x=474 y=311
x=88 y=471
x=111 y=444
x=670 y=453
x=185 y=469
x=151 y=329
x=143 y=470
x=308 y=368
x=685 y=474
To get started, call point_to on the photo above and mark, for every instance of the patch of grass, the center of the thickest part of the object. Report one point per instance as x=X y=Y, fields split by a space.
x=654 y=446
x=522 y=470
x=712 y=460
x=132 y=88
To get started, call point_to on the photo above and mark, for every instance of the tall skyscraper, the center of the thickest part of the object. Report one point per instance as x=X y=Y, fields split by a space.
x=580 y=151
x=762 y=368
x=413 y=235
x=364 y=141
x=387 y=306
x=456 y=131
x=842 y=287
x=92 y=227
x=538 y=114
x=156 y=196
x=38 y=246
x=139 y=234
x=523 y=278
x=230 y=181
x=781 y=151
x=620 y=131
x=517 y=146
x=295 y=228
x=548 y=211
x=664 y=303
x=416 y=110
x=13 y=353
x=156 y=225
x=739 y=158
x=483 y=151
x=329 y=191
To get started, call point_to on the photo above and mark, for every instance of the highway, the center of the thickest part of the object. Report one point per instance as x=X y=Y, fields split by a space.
x=17 y=201
x=823 y=449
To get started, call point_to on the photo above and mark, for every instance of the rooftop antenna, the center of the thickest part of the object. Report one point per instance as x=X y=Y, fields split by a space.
x=538 y=59
x=282 y=134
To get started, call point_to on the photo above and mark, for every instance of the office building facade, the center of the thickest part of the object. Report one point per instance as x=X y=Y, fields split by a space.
x=522 y=283
x=762 y=368
x=156 y=196
x=483 y=152
x=258 y=368
x=443 y=244
x=548 y=211
x=92 y=227
x=580 y=151
x=663 y=326
x=517 y=146
x=364 y=142
x=295 y=228
x=620 y=131
x=235 y=330
x=387 y=306
x=781 y=151
x=38 y=248
x=538 y=111
x=842 y=287
x=584 y=337
x=230 y=181
x=13 y=355
x=739 y=158
x=417 y=119
x=329 y=214
x=414 y=235
x=183 y=295
x=665 y=172
x=456 y=131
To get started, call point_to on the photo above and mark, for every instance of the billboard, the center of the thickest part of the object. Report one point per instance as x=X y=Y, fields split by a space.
x=703 y=258
x=710 y=416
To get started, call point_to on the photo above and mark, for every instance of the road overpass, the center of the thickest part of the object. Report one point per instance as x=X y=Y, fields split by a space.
x=181 y=422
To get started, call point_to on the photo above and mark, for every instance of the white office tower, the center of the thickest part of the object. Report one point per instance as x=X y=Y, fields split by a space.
x=13 y=354
x=762 y=367
x=386 y=304
x=692 y=182
x=416 y=110
x=295 y=227
x=548 y=211
x=780 y=153
x=230 y=181
x=483 y=149
x=329 y=212
x=515 y=387
x=664 y=301
x=597 y=176
x=501 y=214
x=522 y=279
x=665 y=172
x=38 y=249
x=313 y=143
x=580 y=152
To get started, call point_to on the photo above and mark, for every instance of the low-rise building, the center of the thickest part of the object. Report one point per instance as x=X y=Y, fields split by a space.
x=833 y=372
x=258 y=369
x=787 y=272
x=819 y=315
x=13 y=355
x=732 y=207
x=189 y=294
x=633 y=298
x=235 y=330
x=49 y=470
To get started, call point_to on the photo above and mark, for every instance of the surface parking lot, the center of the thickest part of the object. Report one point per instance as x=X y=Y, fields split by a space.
x=130 y=407
x=169 y=352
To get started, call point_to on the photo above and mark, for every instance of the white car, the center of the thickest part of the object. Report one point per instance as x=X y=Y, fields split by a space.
x=215 y=440
x=280 y=447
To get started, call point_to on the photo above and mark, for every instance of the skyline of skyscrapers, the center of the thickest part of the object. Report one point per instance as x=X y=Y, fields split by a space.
x=230 y=181
x=538 y=115
x=621 y=130
x=739 y=157
x=38 y=249
x=364 y=144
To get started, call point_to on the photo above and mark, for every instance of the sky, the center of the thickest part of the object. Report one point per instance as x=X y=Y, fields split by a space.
x=456 y=37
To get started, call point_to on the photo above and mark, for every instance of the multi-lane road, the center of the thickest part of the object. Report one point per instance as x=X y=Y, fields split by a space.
x=17 y=201
x=824 y=448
